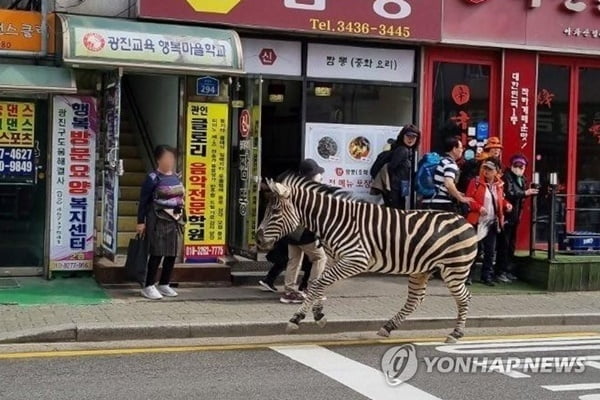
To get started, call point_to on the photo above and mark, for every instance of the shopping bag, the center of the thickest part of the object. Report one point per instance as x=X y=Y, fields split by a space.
x=137 y=260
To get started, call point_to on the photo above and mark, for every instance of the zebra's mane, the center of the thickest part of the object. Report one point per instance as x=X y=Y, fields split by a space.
x=294 y=180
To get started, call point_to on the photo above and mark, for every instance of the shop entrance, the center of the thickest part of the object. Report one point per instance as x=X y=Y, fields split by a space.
x=267 y=141
x=22 y=185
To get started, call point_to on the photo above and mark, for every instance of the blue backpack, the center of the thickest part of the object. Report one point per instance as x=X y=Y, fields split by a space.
x=425 y=173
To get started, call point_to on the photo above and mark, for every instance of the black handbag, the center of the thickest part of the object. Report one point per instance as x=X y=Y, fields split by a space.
x=136 y=265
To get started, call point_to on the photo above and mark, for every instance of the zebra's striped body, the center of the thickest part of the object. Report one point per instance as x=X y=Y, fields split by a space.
x=364 y=237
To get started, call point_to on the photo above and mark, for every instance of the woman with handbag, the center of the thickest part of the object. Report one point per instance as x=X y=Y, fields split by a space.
x=160 y=218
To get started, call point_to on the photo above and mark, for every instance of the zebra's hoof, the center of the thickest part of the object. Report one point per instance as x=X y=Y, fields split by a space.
x=451 y=339
x=383 y=332
x=322 y=322
x=291 y=327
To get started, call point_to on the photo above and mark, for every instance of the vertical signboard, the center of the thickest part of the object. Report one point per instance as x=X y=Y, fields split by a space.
x=110 y=184
x=74 y=133
x=17 y=139
x=519 y=102
x=206 y=181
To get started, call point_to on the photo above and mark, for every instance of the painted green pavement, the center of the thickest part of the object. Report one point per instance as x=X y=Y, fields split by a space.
x=39 y=291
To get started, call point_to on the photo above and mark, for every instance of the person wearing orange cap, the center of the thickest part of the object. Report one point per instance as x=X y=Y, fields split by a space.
x=493 y=148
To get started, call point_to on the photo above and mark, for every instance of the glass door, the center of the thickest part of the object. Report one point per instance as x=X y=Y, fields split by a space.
x=246 y=118
x=23 y=144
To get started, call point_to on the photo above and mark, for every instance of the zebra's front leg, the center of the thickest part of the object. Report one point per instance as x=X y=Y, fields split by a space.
x=417 y=286
x=462 y=296
x=341 y=270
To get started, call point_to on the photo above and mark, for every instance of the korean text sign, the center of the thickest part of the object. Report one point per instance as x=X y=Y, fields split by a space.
x=20 y=31
x=393 y=19
x=17 y=139
x=206 y=181
x=74 y=130
x=347 y=152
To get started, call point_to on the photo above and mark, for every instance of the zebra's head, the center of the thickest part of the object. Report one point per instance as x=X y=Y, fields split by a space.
x=281 y=217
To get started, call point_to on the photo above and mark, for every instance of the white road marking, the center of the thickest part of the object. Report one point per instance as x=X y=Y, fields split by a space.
x=575 y=387
x=590 y=397
x=520 y=347
x=593 y=364
x=361 y=378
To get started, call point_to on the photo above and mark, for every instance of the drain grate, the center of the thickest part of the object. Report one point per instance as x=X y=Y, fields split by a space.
x=8 y=283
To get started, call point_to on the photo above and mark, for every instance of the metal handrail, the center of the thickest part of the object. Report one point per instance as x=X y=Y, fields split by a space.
x=140 y=124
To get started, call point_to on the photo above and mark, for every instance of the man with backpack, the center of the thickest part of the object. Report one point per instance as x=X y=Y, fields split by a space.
x=437 y=182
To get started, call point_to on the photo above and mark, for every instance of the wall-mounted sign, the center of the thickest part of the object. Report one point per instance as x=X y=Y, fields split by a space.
x=17 y=140
x=360 y=63
x=206 y=181
x=20 y=31
x=392 y=19
x=522 y=23
x=208 y=86
x=244 y=124
x=272 y=57
x=519 y=102
x=94 y=40
x=74 y=130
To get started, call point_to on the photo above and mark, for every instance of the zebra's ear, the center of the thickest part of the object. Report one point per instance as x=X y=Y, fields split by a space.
x=280 y=190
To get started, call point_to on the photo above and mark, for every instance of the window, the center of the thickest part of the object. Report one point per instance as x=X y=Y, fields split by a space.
x=461 y=95
x=359 y=104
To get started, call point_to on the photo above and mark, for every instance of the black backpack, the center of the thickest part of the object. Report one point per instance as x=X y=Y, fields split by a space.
x=383 y=158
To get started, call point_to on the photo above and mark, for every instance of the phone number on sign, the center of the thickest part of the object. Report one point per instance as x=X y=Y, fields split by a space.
x=360 y=28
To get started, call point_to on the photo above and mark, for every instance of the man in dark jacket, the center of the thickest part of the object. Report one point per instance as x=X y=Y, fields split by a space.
x=515 y=192
x=402 y=165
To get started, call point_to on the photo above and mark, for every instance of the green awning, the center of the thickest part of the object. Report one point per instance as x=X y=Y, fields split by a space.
x=36 y=79
x=113 y=42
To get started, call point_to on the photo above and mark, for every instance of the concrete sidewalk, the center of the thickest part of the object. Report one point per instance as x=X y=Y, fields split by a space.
x=359 y=304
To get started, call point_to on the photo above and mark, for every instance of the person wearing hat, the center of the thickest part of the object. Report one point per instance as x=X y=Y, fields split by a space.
x=515 y=190
x=486 y=212
x=401 y=166
x=304 y=242
x=493 y=147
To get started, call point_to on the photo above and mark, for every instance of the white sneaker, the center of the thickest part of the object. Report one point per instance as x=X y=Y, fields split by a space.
x=150 y=292
x=166 y=291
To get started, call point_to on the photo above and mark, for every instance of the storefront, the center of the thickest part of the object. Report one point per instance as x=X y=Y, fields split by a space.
x=25 y=94
x=508 y=72
x=336 y=99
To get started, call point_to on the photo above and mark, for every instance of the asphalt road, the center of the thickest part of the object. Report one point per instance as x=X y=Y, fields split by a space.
x=312 y=371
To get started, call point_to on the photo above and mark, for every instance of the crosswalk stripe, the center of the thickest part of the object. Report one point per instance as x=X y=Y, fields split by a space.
x=574 y=387
x=520 y=347
x=361 y=378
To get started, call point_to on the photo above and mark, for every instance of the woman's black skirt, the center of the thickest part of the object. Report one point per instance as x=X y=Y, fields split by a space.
x=164 y=234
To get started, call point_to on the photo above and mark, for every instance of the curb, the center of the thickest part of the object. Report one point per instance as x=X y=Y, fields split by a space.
x=120 y=332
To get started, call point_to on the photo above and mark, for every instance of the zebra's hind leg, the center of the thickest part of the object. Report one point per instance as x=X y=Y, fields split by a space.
x=455 y=279
x=318 y=314
x=417 y=286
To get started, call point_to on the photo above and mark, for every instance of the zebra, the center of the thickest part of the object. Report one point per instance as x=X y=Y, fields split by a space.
x=366 y=237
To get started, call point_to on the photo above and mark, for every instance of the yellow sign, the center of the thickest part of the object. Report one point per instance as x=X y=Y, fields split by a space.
x=17 y=124
x=20 y=31
x=214 y=6
x=207 y=147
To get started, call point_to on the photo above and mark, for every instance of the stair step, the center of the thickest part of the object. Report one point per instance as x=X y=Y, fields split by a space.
x=123 y=239
x=129 y=152
x=126 y=208
x=124 y=224
x=132 y=179
x=133 y=165
x=127 y=139
x=129 y=193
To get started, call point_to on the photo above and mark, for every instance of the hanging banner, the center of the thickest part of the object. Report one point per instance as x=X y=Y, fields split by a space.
x=347 y=152
x=206 y=181
x=74 y=132
x=17 y=138
x=110 y=189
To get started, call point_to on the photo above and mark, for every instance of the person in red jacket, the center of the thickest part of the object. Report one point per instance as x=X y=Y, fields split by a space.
x=486 y=212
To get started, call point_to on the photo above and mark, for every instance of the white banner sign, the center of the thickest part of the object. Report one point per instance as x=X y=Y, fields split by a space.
x=272 y=57
x=74 y=131
x=360 y=63
x=346 y=152
x=148 y=47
